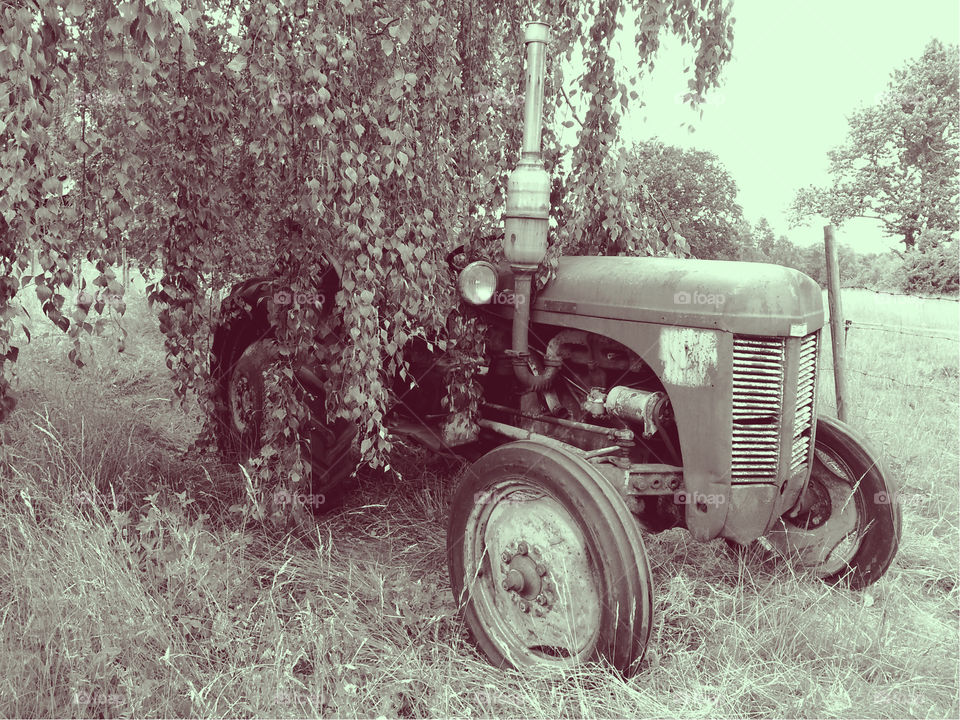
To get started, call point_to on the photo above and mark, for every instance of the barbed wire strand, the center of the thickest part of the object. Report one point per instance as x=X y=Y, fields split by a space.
x=896 y=294
x=929 y=332
x=828 y=370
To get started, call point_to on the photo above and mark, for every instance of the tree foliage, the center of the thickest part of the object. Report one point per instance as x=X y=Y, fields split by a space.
x=246 y=137
x=930 y=269
x=899 y=162
x=692 y=193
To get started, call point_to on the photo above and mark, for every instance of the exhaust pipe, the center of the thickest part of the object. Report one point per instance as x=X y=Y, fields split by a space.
x=527 y=215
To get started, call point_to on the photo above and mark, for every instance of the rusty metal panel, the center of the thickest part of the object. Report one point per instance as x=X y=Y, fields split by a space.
x=750 y=511
x=702 y=410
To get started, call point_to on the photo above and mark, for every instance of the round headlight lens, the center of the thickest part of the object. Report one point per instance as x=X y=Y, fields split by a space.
x=478 y=282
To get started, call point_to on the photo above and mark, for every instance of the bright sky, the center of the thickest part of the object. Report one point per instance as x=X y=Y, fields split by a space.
x=798 y=70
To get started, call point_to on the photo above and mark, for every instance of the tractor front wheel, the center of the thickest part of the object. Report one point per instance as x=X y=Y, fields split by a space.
x=547 y=562
x=850 y=530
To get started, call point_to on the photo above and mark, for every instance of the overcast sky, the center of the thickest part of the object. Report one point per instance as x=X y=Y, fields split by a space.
x=798 y=70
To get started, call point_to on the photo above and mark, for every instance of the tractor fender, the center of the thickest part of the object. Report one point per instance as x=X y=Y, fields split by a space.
x=252 y=297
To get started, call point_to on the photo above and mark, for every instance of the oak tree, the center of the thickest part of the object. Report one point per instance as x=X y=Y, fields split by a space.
x=899 y=162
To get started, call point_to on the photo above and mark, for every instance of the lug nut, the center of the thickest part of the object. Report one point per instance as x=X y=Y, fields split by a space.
x=522 y=548
x=505 y=556
x=541 y=569
x=524 y=606
x=542 y=599
x=538 y=611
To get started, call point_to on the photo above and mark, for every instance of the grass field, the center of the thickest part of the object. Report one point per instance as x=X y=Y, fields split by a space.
x=129 y=588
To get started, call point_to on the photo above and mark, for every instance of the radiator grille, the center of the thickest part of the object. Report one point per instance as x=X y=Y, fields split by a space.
x=806 y=392
x=758 y=370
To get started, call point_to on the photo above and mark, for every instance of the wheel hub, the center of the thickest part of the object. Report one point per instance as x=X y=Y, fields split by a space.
x=245 y=391
x=243 y=402
x=816 y=508
x=525 y=579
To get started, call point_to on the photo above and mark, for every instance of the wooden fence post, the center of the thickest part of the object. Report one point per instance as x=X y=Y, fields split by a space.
x=837 y=328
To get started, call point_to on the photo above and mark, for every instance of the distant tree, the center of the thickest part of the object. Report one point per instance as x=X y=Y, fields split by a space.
x=899 y=162
x=765 y=238
x=932 y=268
x=695 y=191
x=812 y=262
x=786 y=253
x=763 y=245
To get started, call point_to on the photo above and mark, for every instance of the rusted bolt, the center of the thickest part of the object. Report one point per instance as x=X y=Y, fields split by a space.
x=542 y=599
x=541 y=569
x=524 y=606
x=538 y=611
x=505 y=556
x=522 y=548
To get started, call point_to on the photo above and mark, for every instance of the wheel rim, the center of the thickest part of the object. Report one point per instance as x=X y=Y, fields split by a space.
x=245 y=396
x=826 y=538
x=531 y=577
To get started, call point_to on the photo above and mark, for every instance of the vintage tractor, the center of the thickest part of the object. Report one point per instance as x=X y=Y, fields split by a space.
x=629 y=395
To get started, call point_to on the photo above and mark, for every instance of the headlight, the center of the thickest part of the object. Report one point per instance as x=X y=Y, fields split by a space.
x=478 y=282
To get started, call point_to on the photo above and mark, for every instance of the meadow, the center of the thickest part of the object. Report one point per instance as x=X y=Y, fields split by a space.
x=133 y=582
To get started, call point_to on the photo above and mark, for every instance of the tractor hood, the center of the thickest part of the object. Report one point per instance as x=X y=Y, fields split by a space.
x=738 y=297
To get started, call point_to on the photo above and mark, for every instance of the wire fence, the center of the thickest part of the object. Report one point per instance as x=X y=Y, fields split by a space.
x=940 y=334
x=945 y=298
x=933 y=333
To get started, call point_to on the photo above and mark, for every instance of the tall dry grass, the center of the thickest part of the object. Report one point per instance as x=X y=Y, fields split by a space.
x=129 y=588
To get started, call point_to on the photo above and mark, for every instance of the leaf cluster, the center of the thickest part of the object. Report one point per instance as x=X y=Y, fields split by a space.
x=213 y=141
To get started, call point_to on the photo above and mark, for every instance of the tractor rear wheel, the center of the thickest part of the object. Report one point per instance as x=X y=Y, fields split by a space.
x=247 y=354
x=547 y=562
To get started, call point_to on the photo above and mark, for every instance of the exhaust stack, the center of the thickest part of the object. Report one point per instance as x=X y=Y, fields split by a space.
x=528 y=187
x=527 y=215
